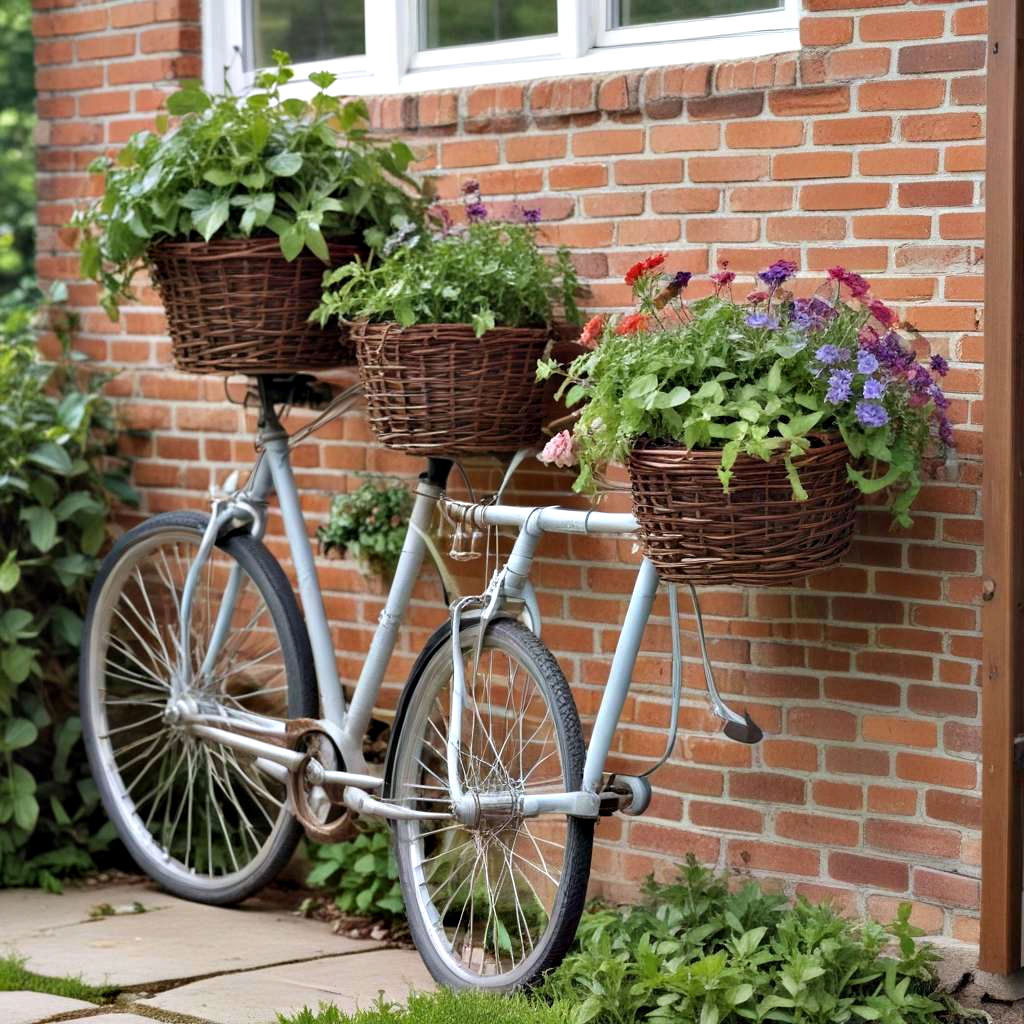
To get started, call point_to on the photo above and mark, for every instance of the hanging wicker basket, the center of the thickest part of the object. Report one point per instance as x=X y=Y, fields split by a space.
x=437 y=389
x=238 y=306
x=757 y=534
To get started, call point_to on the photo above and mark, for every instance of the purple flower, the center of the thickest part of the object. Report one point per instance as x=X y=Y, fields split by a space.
x=761 y=320
x=681 y=279
x=938 y=397
x=476 y=211
x=892 y=354
x=839 y=384
x=829 y=355
x=866 y=362
x=779 y=271
x=874 y=388
x=471 y=187
x=531 y=215
x=939 y=365
x=871 y=414
x=946 y=431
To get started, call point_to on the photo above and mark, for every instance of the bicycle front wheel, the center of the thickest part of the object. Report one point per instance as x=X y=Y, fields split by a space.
x=496 y=904
x=198 y=817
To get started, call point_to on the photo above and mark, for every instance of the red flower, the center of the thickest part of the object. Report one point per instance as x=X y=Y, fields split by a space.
x=882 y=313
x=723 y=277
x=756 y=297
x=592 y=331
x=837 y=274
x=644 y=267
x=632 y=324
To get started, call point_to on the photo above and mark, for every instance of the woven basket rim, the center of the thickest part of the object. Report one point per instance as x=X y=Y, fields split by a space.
x=827 y=443
x=393 y=329
x=239 y=248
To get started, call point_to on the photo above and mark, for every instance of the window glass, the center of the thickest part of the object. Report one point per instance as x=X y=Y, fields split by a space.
x=625 y=13
x=307 y=29
x=461 y=22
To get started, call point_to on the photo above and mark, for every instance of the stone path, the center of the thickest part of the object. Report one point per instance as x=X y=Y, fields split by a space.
x=188 y=963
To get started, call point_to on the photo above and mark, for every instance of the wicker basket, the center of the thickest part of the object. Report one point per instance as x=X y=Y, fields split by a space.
x=437 y=389
x=238 y=306
x=757 y=534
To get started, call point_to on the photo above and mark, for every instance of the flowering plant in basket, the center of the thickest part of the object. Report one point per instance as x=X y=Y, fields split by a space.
x=767 y=377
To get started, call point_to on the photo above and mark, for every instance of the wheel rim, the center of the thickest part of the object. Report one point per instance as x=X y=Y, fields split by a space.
x=487 y=894
x=197 y=811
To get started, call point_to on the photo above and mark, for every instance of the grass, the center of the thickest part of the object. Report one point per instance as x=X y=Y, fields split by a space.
x=441 y=1007
x=15 y=977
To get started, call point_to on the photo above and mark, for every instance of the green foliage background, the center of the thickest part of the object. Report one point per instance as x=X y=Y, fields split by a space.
x=17 y=157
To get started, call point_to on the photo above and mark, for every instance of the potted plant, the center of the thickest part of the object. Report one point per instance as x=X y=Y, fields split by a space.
x=750 y=428
x=235 y=211
x=448 y=330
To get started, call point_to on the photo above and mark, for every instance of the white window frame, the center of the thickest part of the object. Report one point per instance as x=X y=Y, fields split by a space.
x=586 y=43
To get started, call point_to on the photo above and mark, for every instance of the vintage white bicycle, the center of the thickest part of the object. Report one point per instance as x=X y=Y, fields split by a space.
x=217 y=729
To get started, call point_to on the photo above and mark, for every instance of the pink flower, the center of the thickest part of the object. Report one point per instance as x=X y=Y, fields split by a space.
x=757 y=296
x=882 y=313
x=592 y=331
x=560 y=451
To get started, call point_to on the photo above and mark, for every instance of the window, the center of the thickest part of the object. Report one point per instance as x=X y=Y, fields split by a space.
x=381 y=46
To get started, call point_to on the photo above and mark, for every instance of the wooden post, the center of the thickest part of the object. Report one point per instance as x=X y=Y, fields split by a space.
x=1003 y=587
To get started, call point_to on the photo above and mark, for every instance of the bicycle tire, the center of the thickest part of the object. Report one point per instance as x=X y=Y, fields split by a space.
x=296 y=660
x=421 y=694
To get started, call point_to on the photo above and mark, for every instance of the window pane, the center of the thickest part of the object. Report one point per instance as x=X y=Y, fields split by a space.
x=459 y=22
x=648 y=12
x=307 y=29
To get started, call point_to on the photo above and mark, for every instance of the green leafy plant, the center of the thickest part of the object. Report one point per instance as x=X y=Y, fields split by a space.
x=59 y=472
x=697 y=951
x=487 y=273
x=238 y=166
x=16 y=977
x=441 y=1007
x=361 y=872
x=761 y=378
x=369 y=523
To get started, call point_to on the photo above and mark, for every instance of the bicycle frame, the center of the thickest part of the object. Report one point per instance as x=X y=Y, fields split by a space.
x=346 y=725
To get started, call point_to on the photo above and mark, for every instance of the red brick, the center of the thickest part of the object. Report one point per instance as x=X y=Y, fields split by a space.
x=941 y=127
x=648 y=172
x=869 y=871
x=850 y=131
x=474 y=153
x=947 y=888
x=907 y=837
x=937 y=771
x=766 y=787
x=825 y=31
x=812 y=165
x=649 y=232
x=891 y=226
x=800 y=229
x=749 y=855
x=937 y=57
x=890 y=800
x=790 y=754
x=763 y=134
x=879 y=28
x=901 y=95
x=563 y=95
x=971 y=21
x=728 y=168
x=888 y=162
x=818 y=829
x=942 y=700
x=856 y=65
x=760 y=199
x=673 y=138
x=685 y=200
x=535 y=147
x=858 y=196
x=958 y=808
x=843 y=795
x=936 y=193
x=720 y=108
x=826 y=99
x=575 y=175
x=727 y=817
x=608 y=141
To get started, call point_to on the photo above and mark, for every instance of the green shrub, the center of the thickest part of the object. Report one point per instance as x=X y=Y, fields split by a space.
x=369 y=523
x=361 y=872
x=58 y=472
x=697 y=953
x=442 y=1007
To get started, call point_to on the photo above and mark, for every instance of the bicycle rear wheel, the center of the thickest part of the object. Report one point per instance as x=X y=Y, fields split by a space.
x=199 y=818
x=496 y=904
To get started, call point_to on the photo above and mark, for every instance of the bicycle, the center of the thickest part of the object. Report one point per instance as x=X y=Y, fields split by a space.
x=217 y=729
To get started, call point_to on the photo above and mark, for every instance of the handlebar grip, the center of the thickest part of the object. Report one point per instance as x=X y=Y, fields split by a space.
x=748 y=733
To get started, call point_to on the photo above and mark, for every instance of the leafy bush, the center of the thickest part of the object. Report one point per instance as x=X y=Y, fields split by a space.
x=486 y=274
x=369 y=523
x=361 y=872
x=236 y=166
x=58 y=473
x=441 y=1007
x=757 y=378
x=699 y=953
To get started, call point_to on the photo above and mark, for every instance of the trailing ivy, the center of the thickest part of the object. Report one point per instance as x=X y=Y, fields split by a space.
x=59 y=472
x=238 y=166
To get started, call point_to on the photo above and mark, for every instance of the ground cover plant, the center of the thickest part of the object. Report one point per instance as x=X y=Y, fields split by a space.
x=16 y=977
x=487 y=272
x=59 y=474
x=232 y=166
x=699 y=952
x=760 y=376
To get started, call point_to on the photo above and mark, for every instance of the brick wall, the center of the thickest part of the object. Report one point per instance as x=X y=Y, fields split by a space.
x=866 y=148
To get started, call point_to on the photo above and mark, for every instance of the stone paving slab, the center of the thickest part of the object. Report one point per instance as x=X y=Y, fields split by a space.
x=256 y=997
x=173 y=940
x=30 y=1007
x=118 y=1018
